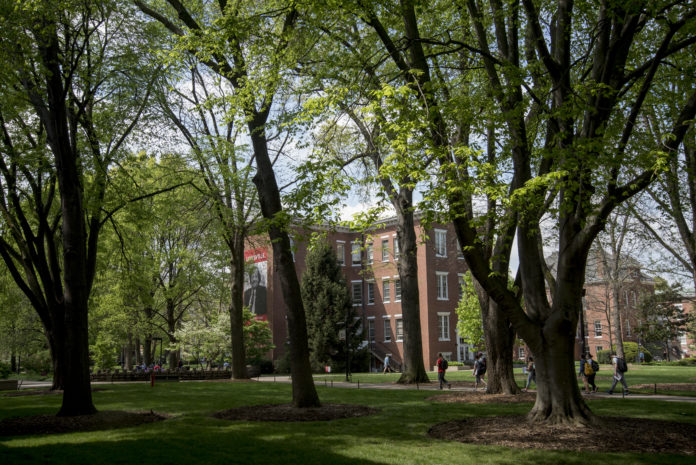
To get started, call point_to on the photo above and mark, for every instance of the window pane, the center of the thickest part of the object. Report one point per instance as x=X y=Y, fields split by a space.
x=340 y=254
x=385 y=250
x=397 y=290
x=370 y=293
x=357 y=293
x=387 y=330
x=355 y=253
x=386 y=292
x=399 y=329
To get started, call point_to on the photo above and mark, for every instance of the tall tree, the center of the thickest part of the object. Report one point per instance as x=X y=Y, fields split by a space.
x=328 y=306
x=69 y=101
x=201 y=115
x=589 y=158
x=250 y=45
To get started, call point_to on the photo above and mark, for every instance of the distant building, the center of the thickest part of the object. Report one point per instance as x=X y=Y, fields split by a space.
x=369 y=263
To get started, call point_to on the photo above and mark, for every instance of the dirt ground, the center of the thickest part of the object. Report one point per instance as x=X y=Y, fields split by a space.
x=609 y=434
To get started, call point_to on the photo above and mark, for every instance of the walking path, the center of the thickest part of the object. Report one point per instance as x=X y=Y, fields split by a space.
x=423 y=387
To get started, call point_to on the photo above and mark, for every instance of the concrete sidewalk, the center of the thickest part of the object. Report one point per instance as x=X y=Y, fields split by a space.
x=393 y=386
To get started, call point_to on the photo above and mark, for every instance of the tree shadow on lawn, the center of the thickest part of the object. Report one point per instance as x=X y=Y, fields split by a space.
x=607 y=434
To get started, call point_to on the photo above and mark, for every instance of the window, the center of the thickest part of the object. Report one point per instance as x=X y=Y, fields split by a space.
x=442 y=285
x=341 y=253
x=397 y=250
x=357 y=293
x=682 y=339
x=397 y=290
x=459 y=250
x=386 y=294
x=387 y=330
x=355 y=253
x=440 y=243
x=462 y=283
x=370 y=253
x=371 y=330
x=520 y=353
x=598 y=349
x=385 y=250
x=399 y=329
x=443 y=329
x=370 y=293
x=597 y=328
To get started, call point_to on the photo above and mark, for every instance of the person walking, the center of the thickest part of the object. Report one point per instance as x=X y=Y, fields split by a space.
x=582 y=374
x=479 y=370
x=591 y=376
x=386 y=364
x=619 y=369
x=441 y=369
x=531 y=373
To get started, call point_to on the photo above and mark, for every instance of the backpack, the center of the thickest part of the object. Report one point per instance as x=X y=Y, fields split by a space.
x=588 y=368
x=595 y=366
x=621 y=365
x=444 y=364
x=482 y=367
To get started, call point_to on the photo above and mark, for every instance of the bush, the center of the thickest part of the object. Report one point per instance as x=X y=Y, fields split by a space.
x=630 y=351
x=39 y=362
x=5 y=370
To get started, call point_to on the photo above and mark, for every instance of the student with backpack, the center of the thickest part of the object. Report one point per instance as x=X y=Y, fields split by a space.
x=620 y=368
x=441 y=369
x=479 y=370
x=588 y=370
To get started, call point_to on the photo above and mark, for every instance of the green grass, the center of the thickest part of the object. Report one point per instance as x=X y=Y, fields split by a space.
x=396 y=435
x=636 y=375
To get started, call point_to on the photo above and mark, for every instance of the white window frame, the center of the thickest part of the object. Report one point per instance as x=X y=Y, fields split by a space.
x=399 y=323
x=443 y=326
x=520 y=353
x=370 y=292
x=371 y=329
x=397 y=250
x=397 y=289
x=385 y=249
x=442 y=290
x=387 y=331
x=355 y=254
x=597 y=328
x=370 y=252
x=341 y=252
x=353 y=286
x=386 y=291
x=441 y=243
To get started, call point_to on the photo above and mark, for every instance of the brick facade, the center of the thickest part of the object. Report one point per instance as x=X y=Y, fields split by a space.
x=370 y=268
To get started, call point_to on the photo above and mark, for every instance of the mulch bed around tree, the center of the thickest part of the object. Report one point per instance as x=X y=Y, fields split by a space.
x=286 y=412
x=609 y=434
x=52 y=424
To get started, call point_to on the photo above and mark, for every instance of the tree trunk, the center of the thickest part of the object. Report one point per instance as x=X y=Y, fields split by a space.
x=128 y=353
x=304 y=393
x=616 y=321
x=237 y=312
x=147 y=351
x=413 y=367
x=558 y=396
x=500 y=338
x=138 y=357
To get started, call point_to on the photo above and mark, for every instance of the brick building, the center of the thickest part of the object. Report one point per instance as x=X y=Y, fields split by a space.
x=369 y=262
x=599 y=303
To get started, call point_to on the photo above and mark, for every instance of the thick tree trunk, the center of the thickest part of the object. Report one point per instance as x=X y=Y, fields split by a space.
x=128 y=353
x=237 y=312
x=413 y=367
x=500 y=338
x=558 y=396
x=304 y=393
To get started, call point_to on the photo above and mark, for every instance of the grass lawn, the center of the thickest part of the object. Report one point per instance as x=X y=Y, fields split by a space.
x=396 y=435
